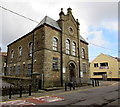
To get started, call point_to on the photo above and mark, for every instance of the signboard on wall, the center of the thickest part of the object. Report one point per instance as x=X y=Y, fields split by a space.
x=64 y=69
x=110 y=72
x=81 y=74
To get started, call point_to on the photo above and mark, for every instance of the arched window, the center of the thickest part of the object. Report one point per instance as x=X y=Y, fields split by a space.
x=74 y=48
x=67 y=46
x=20 y=51
x=83 y=53
x=30 y=48
x=12 y=54
x=55 y=44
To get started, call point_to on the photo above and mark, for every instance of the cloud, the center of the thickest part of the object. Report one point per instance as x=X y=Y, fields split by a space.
x=89 y=14
x=110 y=25
x=97 y=38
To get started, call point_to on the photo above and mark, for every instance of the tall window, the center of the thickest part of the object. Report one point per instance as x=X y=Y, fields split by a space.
x=18 y=70
x=67 y=46
x=20 y=51
x=12 y=54
x=95 y=64
x=10 y=69
x=84 y=67
x=83 y=53
x=30 y=48
x=55 y=63
x=29 y=69
x=55 y=44
x=74 y=48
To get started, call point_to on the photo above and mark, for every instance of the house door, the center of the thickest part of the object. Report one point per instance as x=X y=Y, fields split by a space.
x=104 y=77
x=72 y=72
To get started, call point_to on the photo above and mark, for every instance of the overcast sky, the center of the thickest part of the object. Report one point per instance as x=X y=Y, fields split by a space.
x=98 y=21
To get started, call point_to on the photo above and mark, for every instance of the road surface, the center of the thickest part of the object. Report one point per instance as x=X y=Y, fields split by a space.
x=103 y=95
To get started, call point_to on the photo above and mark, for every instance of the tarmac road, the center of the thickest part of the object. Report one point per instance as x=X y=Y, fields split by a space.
x=106 y=94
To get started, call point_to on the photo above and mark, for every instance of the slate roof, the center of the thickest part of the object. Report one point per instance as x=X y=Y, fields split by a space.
x=81 y=38
x=116 y=58
x=49 y=21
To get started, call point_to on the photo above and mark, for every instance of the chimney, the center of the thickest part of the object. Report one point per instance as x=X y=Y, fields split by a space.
x=69 y=11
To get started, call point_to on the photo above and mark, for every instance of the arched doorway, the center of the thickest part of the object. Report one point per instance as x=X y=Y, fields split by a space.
x=72 y=72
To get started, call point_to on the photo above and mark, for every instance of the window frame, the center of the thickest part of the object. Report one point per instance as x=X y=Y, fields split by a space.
x=55 y=63
x=55 y=44
x=73 y=48
x=30 y=49
x=84 y=68
x=67 y=46
x=18 y=68
x=29 y=70
x=12 y=54
x=83 y=53
x=20 y=50
x=96 y=65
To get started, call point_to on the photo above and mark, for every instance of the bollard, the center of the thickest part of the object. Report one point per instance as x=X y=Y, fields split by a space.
x=93 y=82
x=10 y=92
x=98 y=82
x=73 y=87
x=65 y=87
x=70 y=86
x=20 y=91
x=29 y=90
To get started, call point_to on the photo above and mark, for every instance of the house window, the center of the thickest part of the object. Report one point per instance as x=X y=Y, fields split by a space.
x=55 y=44
x=18 y=70
x=95 y=64
x=104 y=65
x=12 y=54
x=99 y=73
x=83 y=53
x=30 y=48
x=67 y=46
x=84 y=67
x=20 y=51
x=29 y=69
x=74 y=48
x=10 y=70
x=55 y=63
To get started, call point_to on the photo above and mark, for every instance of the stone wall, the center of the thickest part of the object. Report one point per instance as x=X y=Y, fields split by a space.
x=24 y=82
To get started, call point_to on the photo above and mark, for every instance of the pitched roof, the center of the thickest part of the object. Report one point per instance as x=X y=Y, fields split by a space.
x=49 y=21
x=116 y=58
x=82 y=39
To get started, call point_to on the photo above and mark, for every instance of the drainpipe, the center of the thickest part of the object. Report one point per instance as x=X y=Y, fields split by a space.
x=32 y=54
x=78 y=36
x=61 y=54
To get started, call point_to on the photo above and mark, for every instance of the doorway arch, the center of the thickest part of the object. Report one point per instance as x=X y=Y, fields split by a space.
x=72 y=75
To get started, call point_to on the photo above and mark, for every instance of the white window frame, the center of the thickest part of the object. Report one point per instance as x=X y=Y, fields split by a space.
x=83 y=53
x=73 y=48
x=67 y=46
x=20 y=51
x=55 y=44
x=30 y=48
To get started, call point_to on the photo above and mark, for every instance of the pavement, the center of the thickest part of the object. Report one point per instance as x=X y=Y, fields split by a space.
x=42 y=93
